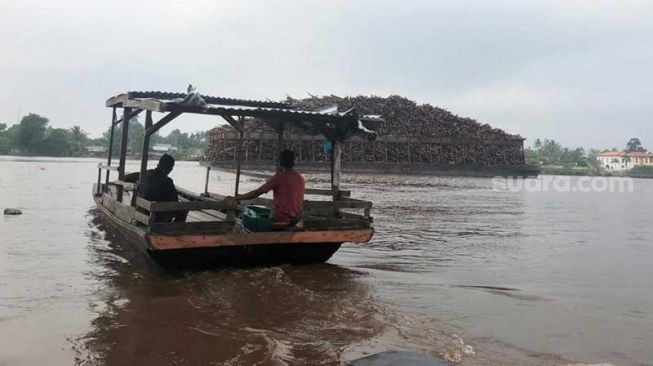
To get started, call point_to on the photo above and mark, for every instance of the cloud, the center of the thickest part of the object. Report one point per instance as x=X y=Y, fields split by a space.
x=527 y=66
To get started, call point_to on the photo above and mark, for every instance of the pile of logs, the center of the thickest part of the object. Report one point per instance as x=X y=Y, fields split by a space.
x=404 y=117
x=411 y=133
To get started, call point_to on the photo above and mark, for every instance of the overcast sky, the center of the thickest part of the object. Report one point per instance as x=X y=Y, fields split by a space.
x=578 y=71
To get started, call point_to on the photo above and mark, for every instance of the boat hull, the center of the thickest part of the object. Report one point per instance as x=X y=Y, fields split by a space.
x=244 y=255
x=231 y=255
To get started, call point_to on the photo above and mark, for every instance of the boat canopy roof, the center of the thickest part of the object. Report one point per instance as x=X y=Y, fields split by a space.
x=336 y=126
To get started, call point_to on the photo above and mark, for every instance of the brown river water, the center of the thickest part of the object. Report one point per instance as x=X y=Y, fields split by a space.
x=455 y=270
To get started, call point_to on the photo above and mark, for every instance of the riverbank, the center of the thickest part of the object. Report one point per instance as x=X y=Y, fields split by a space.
x=637 y=172
x=641 y=172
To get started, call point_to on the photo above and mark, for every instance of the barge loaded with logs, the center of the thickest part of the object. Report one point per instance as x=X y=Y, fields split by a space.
x=412 y=139
x=216 y=232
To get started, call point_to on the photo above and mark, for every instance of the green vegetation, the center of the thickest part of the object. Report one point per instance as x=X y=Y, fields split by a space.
x=556 y=159
x=189 y=146
x=5 y=139
x=33 y=136
x=634 y=145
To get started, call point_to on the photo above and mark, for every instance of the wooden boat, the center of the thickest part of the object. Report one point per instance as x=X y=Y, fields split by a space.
x=213 y=234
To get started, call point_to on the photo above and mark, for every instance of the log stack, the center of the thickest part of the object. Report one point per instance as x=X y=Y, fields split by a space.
x=411 y=133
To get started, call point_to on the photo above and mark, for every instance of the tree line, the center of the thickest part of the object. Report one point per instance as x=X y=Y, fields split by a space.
x=34 y=136
x=550 y=152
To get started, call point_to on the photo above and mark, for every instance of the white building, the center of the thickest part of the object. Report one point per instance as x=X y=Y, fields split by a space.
x=95 y=149
x=622 y=161
x=163 y=148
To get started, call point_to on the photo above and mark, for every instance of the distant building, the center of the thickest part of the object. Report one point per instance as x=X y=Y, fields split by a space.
x=95 y=149
x=622 y=161
x=163 y=148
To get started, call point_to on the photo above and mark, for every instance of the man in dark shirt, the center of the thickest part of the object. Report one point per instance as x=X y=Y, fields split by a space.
x=156 y=186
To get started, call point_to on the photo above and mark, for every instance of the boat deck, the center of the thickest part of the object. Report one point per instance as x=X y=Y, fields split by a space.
x=193 y=216
x=317 y=215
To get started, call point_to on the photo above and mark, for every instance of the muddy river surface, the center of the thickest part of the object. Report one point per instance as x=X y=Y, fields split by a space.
x=456 y=270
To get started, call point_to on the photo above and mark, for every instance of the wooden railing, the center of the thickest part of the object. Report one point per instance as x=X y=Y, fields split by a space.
x=100 y=167
x=336 y=215
x=219 y=216
x=326 y=192
x=181 y=206
x=321 y=214
x=348 y=203
x=153 y=209
x=126 y=186
x=334 y=209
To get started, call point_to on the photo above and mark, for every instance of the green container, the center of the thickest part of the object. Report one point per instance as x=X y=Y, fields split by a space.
x=257 y=218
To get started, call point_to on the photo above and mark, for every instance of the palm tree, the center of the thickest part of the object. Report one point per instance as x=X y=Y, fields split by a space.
x=78 y=140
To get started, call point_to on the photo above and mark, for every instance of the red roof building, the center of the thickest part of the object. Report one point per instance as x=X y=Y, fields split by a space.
x=621 y=160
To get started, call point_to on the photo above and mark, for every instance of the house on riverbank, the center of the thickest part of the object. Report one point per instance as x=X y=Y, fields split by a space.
x=620 y=161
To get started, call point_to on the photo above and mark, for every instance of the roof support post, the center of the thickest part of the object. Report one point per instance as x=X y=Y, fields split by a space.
x=408 y=152
x=206 y=183
x=123 y=149
x=280 y=140
x=239 y=125
x=239 y=148
x=385 y=150
x=98 y=189
x=113 y=128
x=280 y=131
x=146 y=144
x=145 y=154
x=300 y=149
x=335 y=169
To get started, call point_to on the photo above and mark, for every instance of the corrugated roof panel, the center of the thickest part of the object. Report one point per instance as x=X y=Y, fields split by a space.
x=167 y=96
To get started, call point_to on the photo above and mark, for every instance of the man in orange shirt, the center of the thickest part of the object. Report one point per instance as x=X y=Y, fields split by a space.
x=287 y=187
